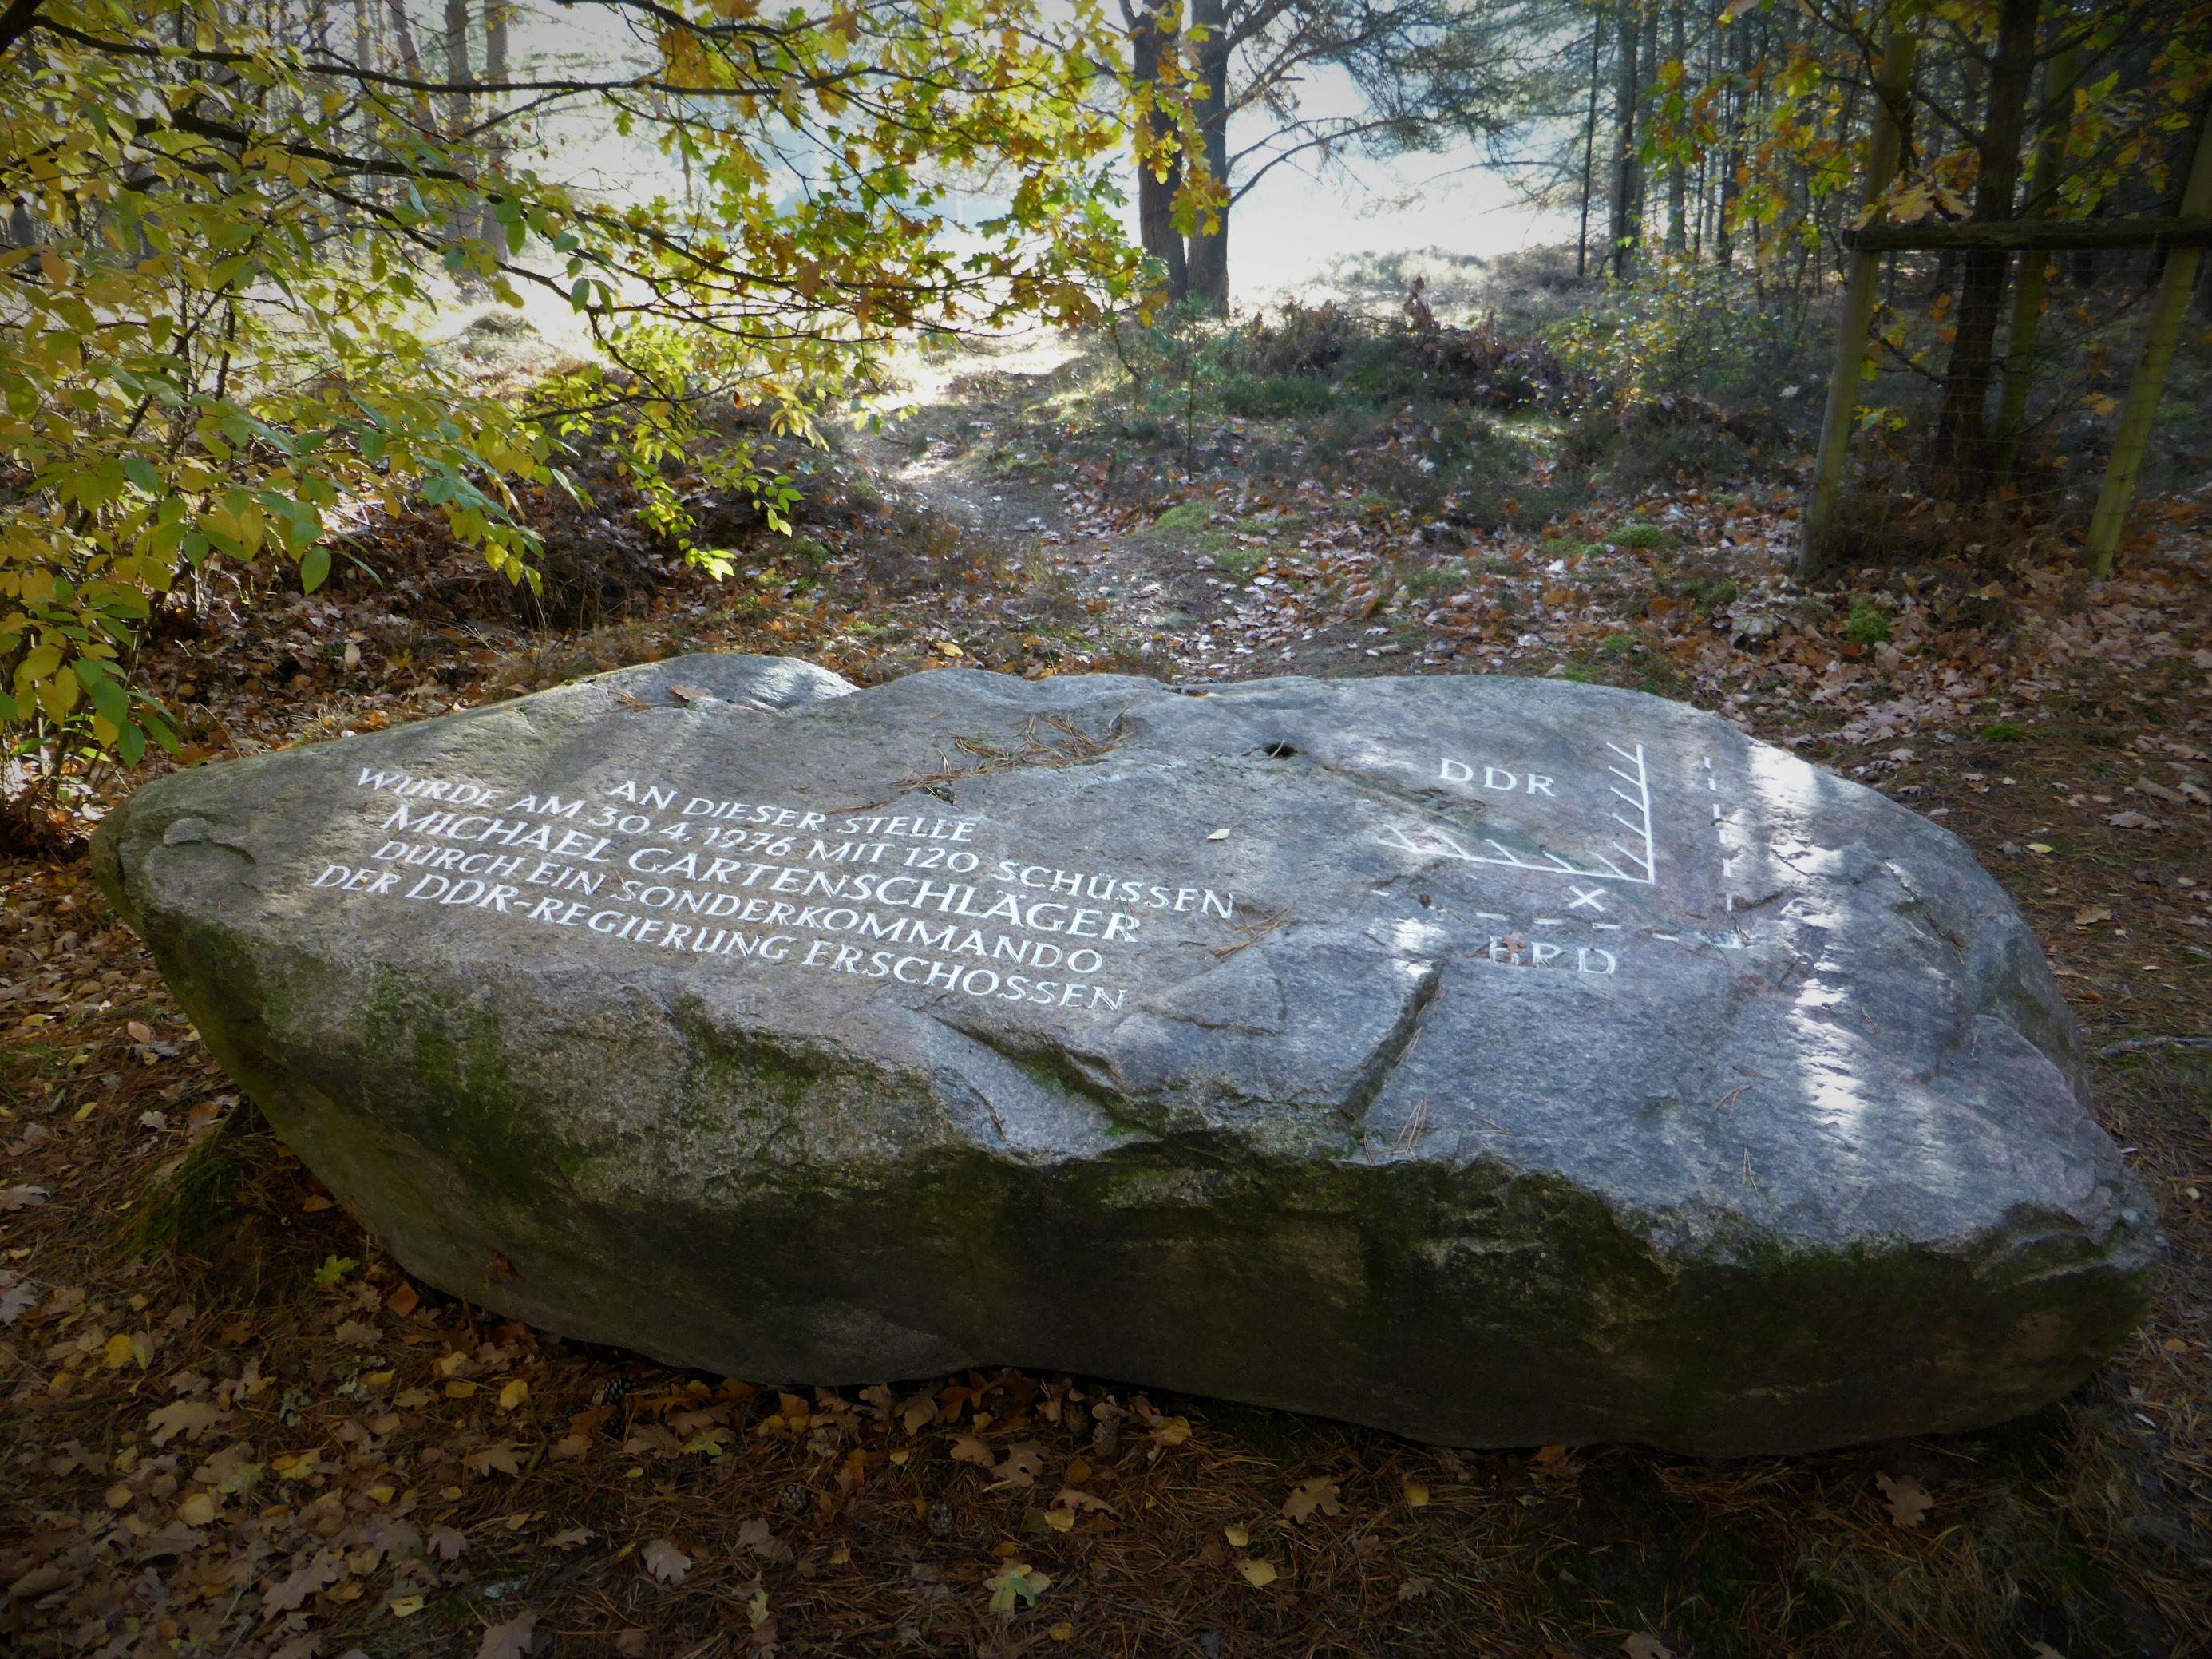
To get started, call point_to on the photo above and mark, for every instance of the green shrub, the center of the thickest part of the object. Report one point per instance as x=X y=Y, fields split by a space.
x=1718 y=594
x=1305 y=340
x=1274 y=397
x=1865 y=625
x=1686 y=329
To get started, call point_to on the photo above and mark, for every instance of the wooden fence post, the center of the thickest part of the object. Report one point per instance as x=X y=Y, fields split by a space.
x=1893 y=87
x=2161 y=334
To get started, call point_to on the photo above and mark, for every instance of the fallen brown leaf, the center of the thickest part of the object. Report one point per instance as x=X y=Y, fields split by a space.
x=1909 y=1501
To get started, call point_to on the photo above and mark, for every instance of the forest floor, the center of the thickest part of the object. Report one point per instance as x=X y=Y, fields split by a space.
x=232 y=1426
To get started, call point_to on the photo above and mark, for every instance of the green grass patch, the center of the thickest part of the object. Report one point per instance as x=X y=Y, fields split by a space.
x=1708 y=593
x=1275 y=398
x=200 y=1193
x=1433 y=579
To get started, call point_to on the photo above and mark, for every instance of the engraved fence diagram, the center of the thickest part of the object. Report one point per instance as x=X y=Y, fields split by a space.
x=1630 y=854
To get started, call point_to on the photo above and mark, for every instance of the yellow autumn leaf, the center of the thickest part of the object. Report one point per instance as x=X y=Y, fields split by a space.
x=1417 y=1494
x=117 y=1353
x=1258 y=1574
x=198 y=1510
x=1237 y=1533
x=514 y=1394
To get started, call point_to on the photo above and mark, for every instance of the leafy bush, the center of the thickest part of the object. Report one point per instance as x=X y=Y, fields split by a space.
x=1685 y=331
x=1489 y=367
x=1866 y=625
x=1307 y=340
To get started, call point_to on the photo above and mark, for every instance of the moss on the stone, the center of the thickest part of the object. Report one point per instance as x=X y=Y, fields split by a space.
x=464 y=1100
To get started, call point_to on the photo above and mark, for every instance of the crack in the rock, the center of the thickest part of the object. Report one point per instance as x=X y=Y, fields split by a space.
x=1461 y=814
x=1398 y=1043
x=1057 y=1066
x=1916 y=907
x=1080 y=749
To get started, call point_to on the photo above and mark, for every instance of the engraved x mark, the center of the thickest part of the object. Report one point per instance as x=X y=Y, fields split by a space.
x=1592 y=896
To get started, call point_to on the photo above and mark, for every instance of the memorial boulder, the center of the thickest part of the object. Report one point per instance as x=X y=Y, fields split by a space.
x=1495 y=1061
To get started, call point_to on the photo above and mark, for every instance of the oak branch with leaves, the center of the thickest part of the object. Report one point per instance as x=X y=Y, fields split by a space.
x=230 y=227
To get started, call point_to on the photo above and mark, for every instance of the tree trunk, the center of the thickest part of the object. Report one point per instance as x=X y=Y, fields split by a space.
x=2161 y=334
x=1208 y=259
x=1738 y=101
x=1619 y=228
x=1962 y=442
x=1151 y=42
x=364 y=56
x=1589 y=147
x=495 y=42
x=1677 y=233
x=457 y=66
x=411 y=59
x=1816 y=548
x=495 y=47
x=1647 y=75
x=2028 y=291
